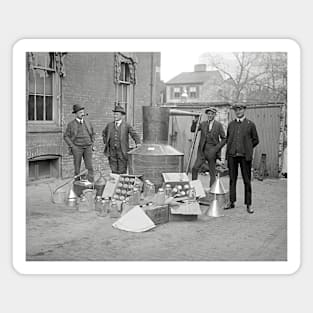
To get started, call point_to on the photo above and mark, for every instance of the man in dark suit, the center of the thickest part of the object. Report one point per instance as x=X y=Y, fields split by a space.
x=80 y=137
x=211 y=142
x=242 y=137
x=116 y=141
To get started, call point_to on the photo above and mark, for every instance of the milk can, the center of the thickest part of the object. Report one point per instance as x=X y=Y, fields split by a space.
x=100 y=184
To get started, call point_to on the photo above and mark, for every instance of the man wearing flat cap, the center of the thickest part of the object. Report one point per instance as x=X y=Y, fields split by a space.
x=242 y=138
x=80 y=137
x=116 y=141
x=212 y=140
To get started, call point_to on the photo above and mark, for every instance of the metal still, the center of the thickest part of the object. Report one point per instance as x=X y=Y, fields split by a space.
x=155 y=156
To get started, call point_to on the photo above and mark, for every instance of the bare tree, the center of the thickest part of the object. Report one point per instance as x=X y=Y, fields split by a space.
x=251 y=75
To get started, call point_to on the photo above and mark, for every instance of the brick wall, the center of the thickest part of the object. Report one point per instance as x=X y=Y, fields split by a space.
x=89 y=81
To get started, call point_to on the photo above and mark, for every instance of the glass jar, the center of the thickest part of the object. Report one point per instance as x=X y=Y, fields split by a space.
x=149 y=191
x=105 y=206
x=114 y=212
x=192 y=193
x=136 y=196
x=160 y=197
x=98 y=204
x=168 y=190
x=83 y=204
x=125 y=207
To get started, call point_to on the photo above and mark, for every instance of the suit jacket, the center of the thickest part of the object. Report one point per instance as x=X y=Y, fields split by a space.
x=72 y=129
x=217 y=133
x=250 y=137
x=126 y=130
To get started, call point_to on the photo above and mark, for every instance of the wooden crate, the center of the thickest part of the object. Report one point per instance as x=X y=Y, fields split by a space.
x=159 y=214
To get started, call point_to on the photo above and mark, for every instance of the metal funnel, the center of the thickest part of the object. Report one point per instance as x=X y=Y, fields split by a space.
x=71 y=198
x=218 y=188
x=215 y=209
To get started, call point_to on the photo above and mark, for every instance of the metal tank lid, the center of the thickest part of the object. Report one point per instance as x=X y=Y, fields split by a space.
x=155 y=149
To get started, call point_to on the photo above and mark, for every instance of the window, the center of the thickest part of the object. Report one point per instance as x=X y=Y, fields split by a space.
x=193 y=92
x=123 y=85
x=43 y=168
x=177 y=92
x=125 y=81
x=125 y=73
x=41 y=76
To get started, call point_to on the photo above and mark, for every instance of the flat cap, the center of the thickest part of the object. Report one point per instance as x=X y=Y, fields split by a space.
x=239 y=106
x=210 y=110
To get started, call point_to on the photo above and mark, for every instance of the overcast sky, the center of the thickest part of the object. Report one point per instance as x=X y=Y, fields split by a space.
x=176 y=62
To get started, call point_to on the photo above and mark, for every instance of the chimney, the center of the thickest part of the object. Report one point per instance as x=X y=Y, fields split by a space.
x=200 y=67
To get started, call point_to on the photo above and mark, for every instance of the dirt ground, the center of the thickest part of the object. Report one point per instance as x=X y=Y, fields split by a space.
x=58 y=233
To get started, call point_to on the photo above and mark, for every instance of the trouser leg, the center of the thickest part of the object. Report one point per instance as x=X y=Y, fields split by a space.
x=196 y=167
x=113 y=161
x=210 y=156
x=87 y=155
x=233 y=174
x=245 y=167
x=77 y=158
x=121 y=163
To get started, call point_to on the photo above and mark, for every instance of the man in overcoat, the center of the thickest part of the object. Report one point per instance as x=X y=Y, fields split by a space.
x=242 y=138
x=80 y=137
x=116 y=141
x=212 y=140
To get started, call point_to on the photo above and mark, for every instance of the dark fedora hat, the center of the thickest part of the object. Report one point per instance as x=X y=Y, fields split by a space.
x=77 y=107
x=210 y=110
x=119 y=108
x=239 y=106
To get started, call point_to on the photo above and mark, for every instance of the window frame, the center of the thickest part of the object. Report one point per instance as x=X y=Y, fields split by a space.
x=55 y=95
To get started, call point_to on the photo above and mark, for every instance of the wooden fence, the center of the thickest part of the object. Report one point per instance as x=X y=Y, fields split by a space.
x=266 y=118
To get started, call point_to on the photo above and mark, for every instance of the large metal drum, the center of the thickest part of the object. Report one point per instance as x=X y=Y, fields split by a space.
x=155 y=156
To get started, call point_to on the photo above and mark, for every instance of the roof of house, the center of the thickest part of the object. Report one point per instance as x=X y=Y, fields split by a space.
x=194 y=77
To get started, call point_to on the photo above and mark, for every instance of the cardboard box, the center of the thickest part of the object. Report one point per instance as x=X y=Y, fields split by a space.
x=158 y=214
x=187 y=211
x=187 y=208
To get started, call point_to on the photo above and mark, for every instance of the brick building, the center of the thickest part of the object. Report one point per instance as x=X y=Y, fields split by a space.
x=56 y=81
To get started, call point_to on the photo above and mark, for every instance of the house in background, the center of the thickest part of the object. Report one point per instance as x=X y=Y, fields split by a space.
x=195 y=87
x=195 y=91
x=56 y=81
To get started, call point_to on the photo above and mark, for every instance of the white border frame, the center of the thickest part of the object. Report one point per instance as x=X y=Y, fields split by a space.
x=206 y=267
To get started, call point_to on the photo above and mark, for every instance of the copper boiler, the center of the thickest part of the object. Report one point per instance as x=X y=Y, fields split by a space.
x=155 y=156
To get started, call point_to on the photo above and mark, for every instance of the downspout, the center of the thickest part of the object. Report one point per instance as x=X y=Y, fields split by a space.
x=152 y=80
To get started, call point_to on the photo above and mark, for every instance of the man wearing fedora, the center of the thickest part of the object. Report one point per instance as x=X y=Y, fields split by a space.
x=242 y=138
x=212 y=140
x=116 y=141
x=80 y=137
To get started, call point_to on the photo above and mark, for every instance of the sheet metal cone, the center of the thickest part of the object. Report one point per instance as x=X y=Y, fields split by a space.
x=72 y=194
x=217 y=188
x=71 y=198
x=135 y=220
x=215 y=209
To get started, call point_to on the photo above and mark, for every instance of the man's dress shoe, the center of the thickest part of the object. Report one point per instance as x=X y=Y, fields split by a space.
x=230 y=206
x=249 y=209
